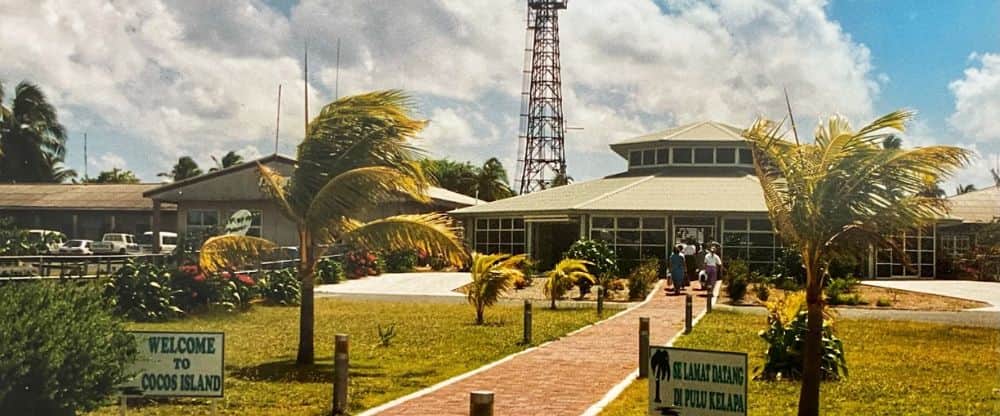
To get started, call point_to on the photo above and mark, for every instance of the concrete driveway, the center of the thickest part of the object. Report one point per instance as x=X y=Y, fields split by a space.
x=988 y=292
x=431 y=286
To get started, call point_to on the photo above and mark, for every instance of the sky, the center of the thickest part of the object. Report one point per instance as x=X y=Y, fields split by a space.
x=151 y=80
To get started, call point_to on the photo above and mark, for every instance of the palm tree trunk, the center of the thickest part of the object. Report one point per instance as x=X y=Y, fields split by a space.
x=479 y=314
x=553 y=302
x=809 y=395
x=307 y=266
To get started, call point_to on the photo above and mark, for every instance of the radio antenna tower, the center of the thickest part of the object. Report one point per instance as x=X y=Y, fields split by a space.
x=542 y=130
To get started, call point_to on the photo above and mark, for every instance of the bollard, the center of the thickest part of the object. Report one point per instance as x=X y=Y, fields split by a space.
x=340 y=368
x=643 y=347
x=481 y=403
x=600 y=301
x=687 y=314
x=708 y=305
x=527 y=323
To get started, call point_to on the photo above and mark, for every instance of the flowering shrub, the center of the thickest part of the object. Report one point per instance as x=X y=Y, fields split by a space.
x=236 y=291
x=281 y=287
x=401 y=261
x=192 y=290
x=361 y=263
x=435 y=262
x=329 y=271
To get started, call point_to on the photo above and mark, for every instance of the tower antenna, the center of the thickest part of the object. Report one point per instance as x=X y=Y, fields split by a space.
x=305 y=82
x=85 y=174
x=277 y=123
x=336 y=83
x=542 y=125
x=788 y=103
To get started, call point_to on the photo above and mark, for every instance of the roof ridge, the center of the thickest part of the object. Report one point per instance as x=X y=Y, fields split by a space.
x=609 y=193
x=726 y=128
x=686 y=128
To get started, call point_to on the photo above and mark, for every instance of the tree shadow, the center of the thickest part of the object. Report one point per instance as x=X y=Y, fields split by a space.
x=288 y=371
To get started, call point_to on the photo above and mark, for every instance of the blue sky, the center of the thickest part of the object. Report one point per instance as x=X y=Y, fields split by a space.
x=151 y=80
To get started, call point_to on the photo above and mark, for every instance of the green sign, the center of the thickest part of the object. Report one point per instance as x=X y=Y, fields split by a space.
x=178 y=364
x=687 y=382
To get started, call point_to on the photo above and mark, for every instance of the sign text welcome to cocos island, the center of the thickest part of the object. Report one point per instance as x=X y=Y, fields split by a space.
x=178 y=364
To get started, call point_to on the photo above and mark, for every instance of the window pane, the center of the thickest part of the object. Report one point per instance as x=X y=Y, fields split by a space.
x=481 y=237
x=735 y=239
x=603 y=222
x=704 y=155
x=733 y=224
x=255 y=221
x=494 y=237
x=628 y=222
x=506 y=223
x=494 y=223
x=682 y=155
x=725 y=155
x=762 y=240
x=211 y=218
x=760 y=224
x=662 y=156
x=606 y=236
x=694 y=221
x=628 y=252
x=648 y=157
x=481 y=223
x=653 y=223
x=194 y=217
x=761 y=254
x=634 y=158
x=519 y=223
x=518 y=237
x=648 y=252
x=654 y=237
x=746 y=157
x=627 y=237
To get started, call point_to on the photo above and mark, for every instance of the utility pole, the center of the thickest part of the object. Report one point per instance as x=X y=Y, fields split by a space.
x=336 y=83
x=85 y=174
x=277 y=123
x=305 y=82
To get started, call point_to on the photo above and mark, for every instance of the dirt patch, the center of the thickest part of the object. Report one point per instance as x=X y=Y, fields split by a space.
x=535 y=292
x=897 y=299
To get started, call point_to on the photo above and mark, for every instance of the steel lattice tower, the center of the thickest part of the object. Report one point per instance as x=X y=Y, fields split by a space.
x=542 y=129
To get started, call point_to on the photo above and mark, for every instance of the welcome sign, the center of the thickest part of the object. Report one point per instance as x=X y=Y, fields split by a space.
x=178 y=364
x=686 y=382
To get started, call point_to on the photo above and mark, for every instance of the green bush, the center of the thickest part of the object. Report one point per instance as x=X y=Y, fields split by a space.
x=785 y=336
x=141 y=292
x=61 y=352
x=642 y=279
x=281 y=287
x=603 y=264
x=401 y=261
x=762 y=291
x=837 y=287
x=736 y=288
x=850 y=299
x=883 y=302
x=236 y=291
x=329 y=271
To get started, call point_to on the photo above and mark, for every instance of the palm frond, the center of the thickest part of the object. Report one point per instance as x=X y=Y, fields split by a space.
x=433 y=233
x=232 y=251
x=564 y=275
x=492 y=275
x=357 y=191
x=275 y=186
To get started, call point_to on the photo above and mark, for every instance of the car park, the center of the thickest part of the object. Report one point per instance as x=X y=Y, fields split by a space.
x=115 y=243
x=76 y=247
x=168 y=242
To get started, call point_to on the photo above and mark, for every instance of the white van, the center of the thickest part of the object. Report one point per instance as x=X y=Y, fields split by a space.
x=168 y=242
x=52 y=239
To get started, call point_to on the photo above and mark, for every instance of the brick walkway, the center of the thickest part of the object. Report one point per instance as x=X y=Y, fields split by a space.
x=564 y=377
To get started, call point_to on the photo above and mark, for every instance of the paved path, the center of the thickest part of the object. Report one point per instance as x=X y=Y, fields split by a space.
x=563 y=377
x=988 y=292
x=401 y=286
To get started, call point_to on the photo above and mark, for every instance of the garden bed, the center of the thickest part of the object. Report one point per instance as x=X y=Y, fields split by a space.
x=897 y=299
x=434 y=342
x=895 y=368
x=536 y=292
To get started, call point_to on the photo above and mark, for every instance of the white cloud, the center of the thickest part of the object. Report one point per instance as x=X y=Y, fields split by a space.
x=108 y=161
x=977 y=99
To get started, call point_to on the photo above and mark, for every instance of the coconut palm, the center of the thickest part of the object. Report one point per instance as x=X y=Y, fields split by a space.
x=491 y=181
x=356 y=155
x=114 y=175
x=32 y=142
x=492 y=275
x=451 y=175
x=996 y=176
x=837 y=195
x=183 y=169
x=229 y=159
x=562 y=278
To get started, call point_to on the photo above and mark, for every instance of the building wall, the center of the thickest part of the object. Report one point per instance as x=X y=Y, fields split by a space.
x=89 y=224
x=273 y=225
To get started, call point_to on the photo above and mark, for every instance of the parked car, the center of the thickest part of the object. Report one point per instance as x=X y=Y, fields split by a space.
x=51 y=239
x=77 y=247
x=115 y=243
x=168 y=242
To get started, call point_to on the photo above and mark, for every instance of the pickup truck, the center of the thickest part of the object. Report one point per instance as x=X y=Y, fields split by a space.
x=115 y=243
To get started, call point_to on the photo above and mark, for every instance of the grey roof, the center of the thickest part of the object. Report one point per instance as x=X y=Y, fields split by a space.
x=675 y=190
x=441 y=194
x=96 y=197
x=977 y=206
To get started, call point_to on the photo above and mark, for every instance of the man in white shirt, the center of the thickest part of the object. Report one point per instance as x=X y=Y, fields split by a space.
x=713 y=263
x=690 y=263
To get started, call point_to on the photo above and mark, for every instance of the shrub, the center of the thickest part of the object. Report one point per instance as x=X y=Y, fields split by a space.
x=385 y=335
x=329 y=271
x=762 y=291
x=236 y=291
x=736 y=288
x=529 y=268
x=603 y=265
x=192 y=290
x=850 y=299
x=837 y=287
x=785 y=334
x=642 y=279
x=883 y=302
x=401 y=261
x=562 y=278
x=492 y=274
x=361 y=263
x=737 y=268
x=141 y=292
x=281 y=287
x=62 y=350
x=435 y=262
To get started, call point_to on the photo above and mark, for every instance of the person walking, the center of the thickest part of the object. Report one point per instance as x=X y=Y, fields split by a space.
x=713 y=263
x=690 y=260
x=677 y=269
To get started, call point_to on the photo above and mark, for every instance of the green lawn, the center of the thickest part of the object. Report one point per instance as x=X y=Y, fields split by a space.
x=434 y=342
x=896 y=368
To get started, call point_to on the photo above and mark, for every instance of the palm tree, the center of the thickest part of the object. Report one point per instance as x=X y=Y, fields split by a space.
x=356 y=155
x=562 y=278
x=229 y=159
x=183 y=169
x=32 y=142
x=561 y=179
x=491 y=181
x=451 y=175
x=964 y=189
x=114 y=175
x=492 y=275
x=996 y=176
x=839 y=194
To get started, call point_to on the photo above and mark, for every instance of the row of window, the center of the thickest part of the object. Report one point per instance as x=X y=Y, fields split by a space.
x=499 y=235
x=919 y=251
x=208 y=221
x=690 y=156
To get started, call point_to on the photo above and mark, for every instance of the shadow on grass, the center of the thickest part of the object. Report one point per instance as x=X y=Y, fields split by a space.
x=287 y=371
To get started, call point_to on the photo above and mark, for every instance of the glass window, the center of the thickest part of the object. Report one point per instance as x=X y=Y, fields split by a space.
x=734 y=224
x=704 y=155
x=662 y=156
x=682 y=155
x=494 y=223
x=602 y=222
x=725 y=155
x=502 y=235
x=653 y=223
x=635 y=158
x=481 y=223
x=648 y=157
x=628 y=222
x=694 y=221
x=746 y=158
x=760 y=224
x=654 y=238
x=603 y=235
x=626 y=237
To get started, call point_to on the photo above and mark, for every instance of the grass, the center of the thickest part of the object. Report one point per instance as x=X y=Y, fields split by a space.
x=433 y=342
x=896 y=368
